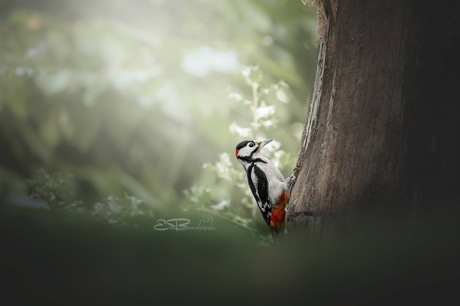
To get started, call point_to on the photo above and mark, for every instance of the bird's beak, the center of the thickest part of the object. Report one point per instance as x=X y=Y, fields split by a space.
x=263 y=143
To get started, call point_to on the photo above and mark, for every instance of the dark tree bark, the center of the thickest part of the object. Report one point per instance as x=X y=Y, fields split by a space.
x=383 y=129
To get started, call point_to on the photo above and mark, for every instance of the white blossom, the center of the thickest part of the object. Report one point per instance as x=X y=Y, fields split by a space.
x=264 y=111
x=240 y=131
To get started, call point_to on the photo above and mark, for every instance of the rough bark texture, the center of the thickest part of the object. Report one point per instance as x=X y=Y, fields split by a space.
x=383 y=129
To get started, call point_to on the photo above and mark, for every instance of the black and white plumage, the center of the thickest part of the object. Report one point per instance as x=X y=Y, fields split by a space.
x=267 y=184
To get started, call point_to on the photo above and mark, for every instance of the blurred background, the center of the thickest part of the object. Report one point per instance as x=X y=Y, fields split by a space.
x=125 y=99
x=118 y=122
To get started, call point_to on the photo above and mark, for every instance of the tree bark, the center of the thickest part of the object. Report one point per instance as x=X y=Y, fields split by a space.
x=383 y=129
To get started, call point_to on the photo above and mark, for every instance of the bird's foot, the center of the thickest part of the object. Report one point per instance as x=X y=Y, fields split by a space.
x=290 y=181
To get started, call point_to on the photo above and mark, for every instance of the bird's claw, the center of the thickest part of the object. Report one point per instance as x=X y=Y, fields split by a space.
x=290 y=181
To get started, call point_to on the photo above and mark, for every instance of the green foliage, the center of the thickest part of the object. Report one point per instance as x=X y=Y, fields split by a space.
x=117 y=98
x=88 y=263
x=55 y=190
x=121 y=209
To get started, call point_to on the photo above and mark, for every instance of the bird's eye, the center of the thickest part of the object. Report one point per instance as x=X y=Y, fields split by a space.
x=251 y=144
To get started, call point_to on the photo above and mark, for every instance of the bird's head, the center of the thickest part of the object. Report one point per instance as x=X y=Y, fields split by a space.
x=248 y=149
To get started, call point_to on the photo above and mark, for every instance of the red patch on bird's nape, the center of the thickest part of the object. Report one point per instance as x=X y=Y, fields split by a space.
x=236 y=152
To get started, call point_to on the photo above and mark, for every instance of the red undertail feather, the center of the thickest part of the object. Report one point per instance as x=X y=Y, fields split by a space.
x=278 y=212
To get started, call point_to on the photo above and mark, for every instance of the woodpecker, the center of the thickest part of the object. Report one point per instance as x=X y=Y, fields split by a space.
x=268 y=186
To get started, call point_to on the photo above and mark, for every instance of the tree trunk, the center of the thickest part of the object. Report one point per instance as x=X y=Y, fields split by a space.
x=383 y=130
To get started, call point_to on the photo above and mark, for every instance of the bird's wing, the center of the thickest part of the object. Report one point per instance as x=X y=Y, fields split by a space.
x=261 y=192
